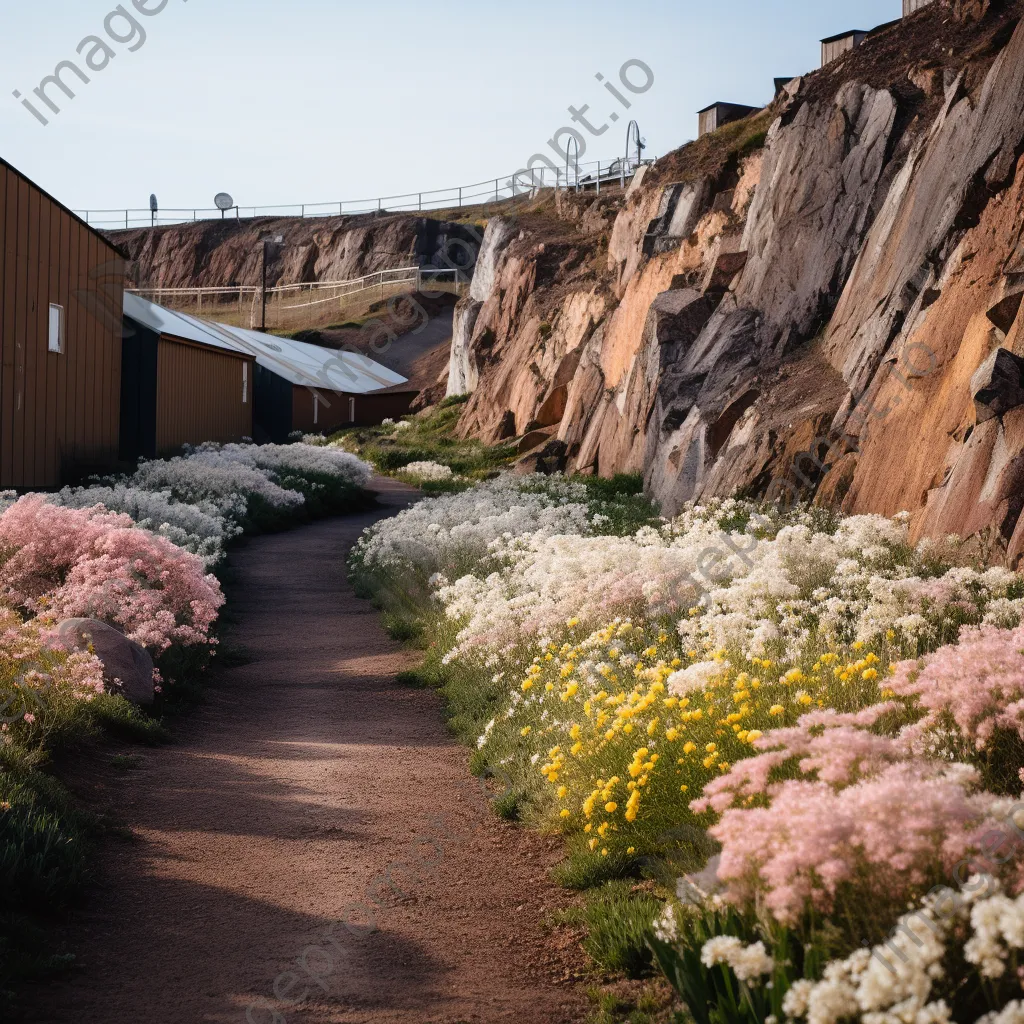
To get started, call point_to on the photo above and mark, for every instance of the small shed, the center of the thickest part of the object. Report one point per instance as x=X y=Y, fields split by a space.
x=910 y=6
x=61 y=289
x=711 y=118
x=834 y=47
x=300 y=386
x=180 y=383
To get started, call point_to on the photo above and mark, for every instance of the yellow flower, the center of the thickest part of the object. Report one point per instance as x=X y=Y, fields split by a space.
x=562 y=792
x=671 y=734
x=711 y=748
x=593 y=844
x=776 y=709
x=683 y=789
x=754 y=734
x=689 y=747
x=630 y=849
x=564 y=812
x=527 y=684
x=869 y=674
x=575 y=748
x=525 y=731
x=611 y=807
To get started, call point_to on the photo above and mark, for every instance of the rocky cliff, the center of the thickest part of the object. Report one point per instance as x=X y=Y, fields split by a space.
x=221 y=253
x=818 y=303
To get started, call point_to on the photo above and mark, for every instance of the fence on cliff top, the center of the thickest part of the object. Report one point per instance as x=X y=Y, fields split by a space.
x=293 y=307
x=594 y=175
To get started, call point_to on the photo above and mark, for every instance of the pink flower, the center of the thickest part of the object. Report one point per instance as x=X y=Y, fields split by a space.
x=29 y=717
x=68 y=563
x=977 y=684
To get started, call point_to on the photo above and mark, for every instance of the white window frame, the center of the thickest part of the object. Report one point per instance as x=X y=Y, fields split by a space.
x=55 y=339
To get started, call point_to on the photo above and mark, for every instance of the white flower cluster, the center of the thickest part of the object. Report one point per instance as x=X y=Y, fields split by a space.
x=748 y=963
x=731 y=575
x=202 y=528
x=893 y=983
x=459 y=531
x=426 y=471
x=198 y=500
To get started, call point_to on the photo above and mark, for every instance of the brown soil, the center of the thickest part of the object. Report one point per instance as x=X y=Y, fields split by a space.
x=310 y=797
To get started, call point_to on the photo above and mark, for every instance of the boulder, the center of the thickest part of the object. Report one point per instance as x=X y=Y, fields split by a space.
x=998 y=385
x=127 y=666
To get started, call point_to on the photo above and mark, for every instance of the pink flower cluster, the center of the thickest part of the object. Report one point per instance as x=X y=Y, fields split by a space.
x=865 y=811
x=889 y=833
x=66 y=563
x=978 y=684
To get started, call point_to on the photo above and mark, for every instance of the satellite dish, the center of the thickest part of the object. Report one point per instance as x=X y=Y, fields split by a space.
x=224 y=202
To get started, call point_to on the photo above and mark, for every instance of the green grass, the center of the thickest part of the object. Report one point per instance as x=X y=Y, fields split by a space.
x=618 y=917
x=430 y=438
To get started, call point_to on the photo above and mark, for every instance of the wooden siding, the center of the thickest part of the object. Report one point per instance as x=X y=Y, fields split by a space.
x=370 y=409
x=708 y=122
x=833 y=49
x=910 y=6
x=199 y=396
x=59 y=412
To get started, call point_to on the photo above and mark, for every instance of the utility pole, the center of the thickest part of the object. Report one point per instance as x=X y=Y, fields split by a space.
x=263 y=319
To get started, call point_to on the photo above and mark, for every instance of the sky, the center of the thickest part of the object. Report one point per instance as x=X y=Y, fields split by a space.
x=309 y=101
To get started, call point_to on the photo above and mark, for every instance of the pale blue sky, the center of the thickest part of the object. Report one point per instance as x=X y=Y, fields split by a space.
x=288 y=101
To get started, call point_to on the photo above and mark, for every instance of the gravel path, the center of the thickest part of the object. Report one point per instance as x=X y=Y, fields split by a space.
x=308 y=801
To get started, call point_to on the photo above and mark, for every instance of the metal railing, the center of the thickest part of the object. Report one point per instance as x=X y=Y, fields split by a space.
x=298 y=306
x=595 y=175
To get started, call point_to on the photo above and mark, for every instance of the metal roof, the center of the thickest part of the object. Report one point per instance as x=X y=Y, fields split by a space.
x=845 y=35
x=298 y=362
x=178 y=325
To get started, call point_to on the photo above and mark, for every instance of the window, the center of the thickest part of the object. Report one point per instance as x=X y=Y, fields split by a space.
x=351 y=410
x=316 y=409
x=245 y=383
x=56 y=342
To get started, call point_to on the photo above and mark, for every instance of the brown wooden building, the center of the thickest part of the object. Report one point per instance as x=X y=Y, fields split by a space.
x=61 y=288
x=182 y=383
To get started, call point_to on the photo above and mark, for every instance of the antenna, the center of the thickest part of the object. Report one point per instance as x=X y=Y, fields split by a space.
x=154 y=209
x=633 y=135
x=223 y=202
x=572 y=139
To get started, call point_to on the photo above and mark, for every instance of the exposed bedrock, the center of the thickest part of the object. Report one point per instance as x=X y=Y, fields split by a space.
x=822 y=303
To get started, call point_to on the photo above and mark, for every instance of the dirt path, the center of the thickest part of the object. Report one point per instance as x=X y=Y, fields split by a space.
x=308 y=799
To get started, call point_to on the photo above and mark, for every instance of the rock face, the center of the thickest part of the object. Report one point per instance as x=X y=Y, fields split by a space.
x=127 y=667
x=227 y=253
x=829 y=313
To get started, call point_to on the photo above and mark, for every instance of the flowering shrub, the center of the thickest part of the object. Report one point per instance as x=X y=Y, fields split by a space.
x=202 y=528
x=459 y=530
x=426 y=471
x=68 y=563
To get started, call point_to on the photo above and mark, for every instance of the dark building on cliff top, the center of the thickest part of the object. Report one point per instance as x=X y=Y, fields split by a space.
x=834 y=47
x=61 y=290
x=711 y=118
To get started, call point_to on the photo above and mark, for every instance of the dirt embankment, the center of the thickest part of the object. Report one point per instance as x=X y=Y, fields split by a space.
x=227 y=253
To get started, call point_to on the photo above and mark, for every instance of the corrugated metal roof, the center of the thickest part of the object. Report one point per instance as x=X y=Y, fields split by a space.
x=297 y=362
x=178 y=325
